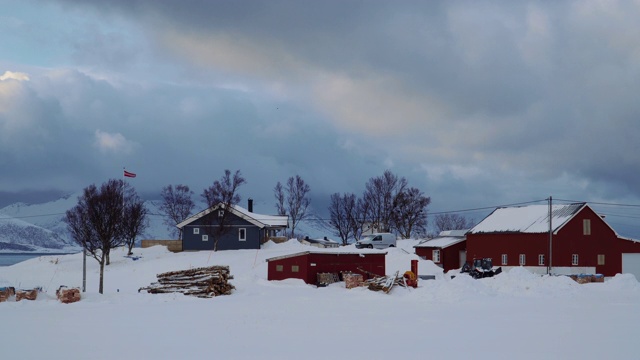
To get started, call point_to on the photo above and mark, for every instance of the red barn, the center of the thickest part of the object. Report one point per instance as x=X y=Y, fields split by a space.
x=447 y=250
x=306 y=265
x=582 y=242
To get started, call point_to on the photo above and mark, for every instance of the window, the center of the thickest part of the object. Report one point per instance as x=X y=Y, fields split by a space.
x=196 y=231
x=586 y=227
x=242 y=234
x=295 y=268
x=279 y=268
x=541 y=259
x=205 y=237
x=436 y=256
x=601 y=259
x=504 y=259
x=523 y=259
x=574 y=259
x=220 y=213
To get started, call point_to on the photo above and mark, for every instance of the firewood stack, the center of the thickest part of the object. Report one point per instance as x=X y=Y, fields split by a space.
x=204 y=282
x=6 y=293
x=385 y=283
x=68 y=295
x=27 y=294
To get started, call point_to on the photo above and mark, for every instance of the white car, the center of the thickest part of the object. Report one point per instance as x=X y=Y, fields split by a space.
x=377 y=240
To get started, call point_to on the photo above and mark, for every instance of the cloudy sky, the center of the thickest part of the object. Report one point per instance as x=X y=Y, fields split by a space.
x=475 y=103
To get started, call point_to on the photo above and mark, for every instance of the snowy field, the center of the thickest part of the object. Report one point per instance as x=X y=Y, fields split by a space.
x=515 y=315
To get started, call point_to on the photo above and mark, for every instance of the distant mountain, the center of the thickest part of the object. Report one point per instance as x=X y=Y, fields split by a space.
x=20 y=236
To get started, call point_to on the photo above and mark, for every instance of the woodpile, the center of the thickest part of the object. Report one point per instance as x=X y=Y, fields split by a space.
x=27 y=294
x=6 y=293
x=204 y=282
x=68 y=295
x=352 y=280
x=324 y=279
x=385 y=283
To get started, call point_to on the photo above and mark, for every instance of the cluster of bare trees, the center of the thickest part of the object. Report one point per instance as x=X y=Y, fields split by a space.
x=293 y=200
x=107 y=217
x=451 y=221
x=387 y=204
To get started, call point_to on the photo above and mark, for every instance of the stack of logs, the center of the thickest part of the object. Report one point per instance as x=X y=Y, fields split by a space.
x=385 y=283
x=204 y=282
x=27 y=294
x=6 y=293
x=68 y=295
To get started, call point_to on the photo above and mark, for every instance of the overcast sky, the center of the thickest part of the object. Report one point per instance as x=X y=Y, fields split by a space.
x=475 y=103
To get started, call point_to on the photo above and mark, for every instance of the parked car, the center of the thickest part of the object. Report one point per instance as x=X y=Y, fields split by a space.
x=377 y=240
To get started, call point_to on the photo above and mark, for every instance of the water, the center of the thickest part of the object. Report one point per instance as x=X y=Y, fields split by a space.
x=8 y=259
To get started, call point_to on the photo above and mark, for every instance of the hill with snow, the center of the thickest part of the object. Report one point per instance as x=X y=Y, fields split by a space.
x=513 y=315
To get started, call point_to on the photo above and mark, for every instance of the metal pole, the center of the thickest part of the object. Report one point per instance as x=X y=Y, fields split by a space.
x=550 y=239
x=84 y=270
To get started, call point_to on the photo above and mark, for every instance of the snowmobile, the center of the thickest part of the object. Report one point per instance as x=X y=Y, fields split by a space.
x=480 y=268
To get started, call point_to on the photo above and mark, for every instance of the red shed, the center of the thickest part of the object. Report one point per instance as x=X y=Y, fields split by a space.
x=306 y=265
x=447 y=250
x=582 y=242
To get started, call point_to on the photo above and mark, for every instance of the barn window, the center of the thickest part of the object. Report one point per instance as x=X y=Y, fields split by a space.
x=436 y=256
x=541 y=259
x=279 y=268
x=523 y=259
x=295 y=268
x=586 y=227
x=242 y=234
x=600 y=259
x=196 y=231
x=205 y=237
x=574 y=259
x=504 y=259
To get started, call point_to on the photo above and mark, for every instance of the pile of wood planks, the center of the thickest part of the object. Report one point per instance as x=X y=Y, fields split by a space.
x=385 y=283
x=204 y=282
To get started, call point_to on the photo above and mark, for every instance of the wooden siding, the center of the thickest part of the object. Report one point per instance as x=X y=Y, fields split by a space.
x=229 y=241
x=449 y=256
x=310 y=264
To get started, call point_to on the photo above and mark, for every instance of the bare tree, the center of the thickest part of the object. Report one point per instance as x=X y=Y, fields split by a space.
x=445 y=222
x=135 y=219
x=177 y=205
x=223 y=195
x=410 y=212
x=95 y=223
x=379 y=195
x=296 y=200
x=342 y=213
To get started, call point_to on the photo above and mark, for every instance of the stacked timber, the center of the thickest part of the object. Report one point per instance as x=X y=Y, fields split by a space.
x=204 y=282
x=385 y=283
x=68 y=295
x=27 y=294
x=6 y=293
x=325 y=279
x=352 y=280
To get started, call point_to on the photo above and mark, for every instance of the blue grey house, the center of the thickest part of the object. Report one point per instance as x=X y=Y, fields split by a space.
x=248 y=230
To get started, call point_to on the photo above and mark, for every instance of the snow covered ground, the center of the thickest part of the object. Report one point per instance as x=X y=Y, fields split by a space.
x=514 y=315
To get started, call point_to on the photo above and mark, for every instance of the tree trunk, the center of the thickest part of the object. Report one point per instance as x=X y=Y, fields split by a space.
x=131 y=247
x=108 y=258
x=101 y=286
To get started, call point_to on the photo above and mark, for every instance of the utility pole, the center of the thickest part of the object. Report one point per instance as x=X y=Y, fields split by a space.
x=550 y=238
x=84 y=270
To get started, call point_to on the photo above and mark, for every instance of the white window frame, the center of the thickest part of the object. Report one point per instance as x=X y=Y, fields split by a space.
x=505 y=258
x=575 y=259
x=196 y=231
x=205 y=237
x=522 y=260
x=220 y=213
x=435 y=256
x=601 y=259
x=586 y=226
x=242 y=231
x=540 y=259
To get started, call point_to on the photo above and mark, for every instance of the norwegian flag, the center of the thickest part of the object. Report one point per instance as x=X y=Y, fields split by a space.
x=129 y=174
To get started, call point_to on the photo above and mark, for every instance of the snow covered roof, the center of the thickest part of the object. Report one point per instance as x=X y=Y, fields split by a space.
x=441 y=242
x=259 y=220
x=530 y=219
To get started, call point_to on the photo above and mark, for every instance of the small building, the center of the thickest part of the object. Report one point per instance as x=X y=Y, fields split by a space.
x=447 y=250
x=581 y=241
x=320 y=243
x=306 y=265
x=247 y=230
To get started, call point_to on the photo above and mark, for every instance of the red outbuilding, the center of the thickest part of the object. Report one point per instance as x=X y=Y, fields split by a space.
x=447 y=250
x=306 y=265
x=581 y=241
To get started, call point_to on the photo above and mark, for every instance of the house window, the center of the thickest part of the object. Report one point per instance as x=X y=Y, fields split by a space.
x=541 y=259
x=242 y=234
x=436 y=256
x=523 y=259
x=220 y=213
x=574 y=259
x=600 y=259
x=295 y=268
x=196 y=231
x=586 y=227
x=504 y=259
x=279 y=268
x=205 y=237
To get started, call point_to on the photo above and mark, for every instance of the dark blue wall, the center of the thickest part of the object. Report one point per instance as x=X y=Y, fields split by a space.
x=229 y=241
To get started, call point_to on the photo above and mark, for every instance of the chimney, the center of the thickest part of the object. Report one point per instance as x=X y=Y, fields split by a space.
x=250 y=205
